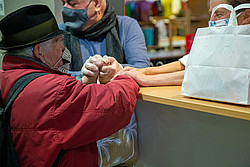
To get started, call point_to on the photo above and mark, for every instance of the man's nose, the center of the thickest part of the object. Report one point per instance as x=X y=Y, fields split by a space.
x=213 y=18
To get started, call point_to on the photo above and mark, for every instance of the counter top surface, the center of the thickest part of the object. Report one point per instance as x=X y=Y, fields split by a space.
x=170 y=95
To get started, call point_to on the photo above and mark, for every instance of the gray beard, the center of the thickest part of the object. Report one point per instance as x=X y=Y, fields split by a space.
x=64 y=68
x=66 y=56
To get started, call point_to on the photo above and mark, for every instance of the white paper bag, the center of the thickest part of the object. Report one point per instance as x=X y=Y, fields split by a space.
x=218 y=67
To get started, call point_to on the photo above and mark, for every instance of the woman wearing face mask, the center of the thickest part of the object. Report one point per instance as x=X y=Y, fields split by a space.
x=173 y=73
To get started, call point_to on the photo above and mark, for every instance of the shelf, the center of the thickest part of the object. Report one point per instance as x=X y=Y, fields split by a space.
x=177 y=53
x=154 y=19
x=200 y=18
x=178 y=41
x=129 y=1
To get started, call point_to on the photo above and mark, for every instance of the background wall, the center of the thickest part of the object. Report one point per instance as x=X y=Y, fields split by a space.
x=118 y=5
x=11 y=5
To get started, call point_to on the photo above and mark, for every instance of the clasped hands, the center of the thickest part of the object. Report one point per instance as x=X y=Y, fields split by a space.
x=100 y=68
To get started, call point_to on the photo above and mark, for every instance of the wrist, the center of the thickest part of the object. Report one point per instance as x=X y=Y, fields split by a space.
x=120 y=67
x=88 y=80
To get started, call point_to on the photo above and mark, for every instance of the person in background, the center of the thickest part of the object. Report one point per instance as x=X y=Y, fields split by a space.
x=56 y=112
x=96 y=29
x=173 y=73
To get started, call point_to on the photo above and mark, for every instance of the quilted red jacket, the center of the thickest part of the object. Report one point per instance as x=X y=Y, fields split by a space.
x=57 y=112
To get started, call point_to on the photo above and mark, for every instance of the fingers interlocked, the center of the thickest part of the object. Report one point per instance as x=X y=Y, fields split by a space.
x=103 y=67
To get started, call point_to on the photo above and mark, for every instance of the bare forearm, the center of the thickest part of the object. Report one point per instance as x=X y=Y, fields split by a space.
x=174 y=78
x=166 y=68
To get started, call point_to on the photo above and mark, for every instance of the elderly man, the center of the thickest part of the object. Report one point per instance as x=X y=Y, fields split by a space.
x=96 y=29
x=56 y=112
x=173 y=73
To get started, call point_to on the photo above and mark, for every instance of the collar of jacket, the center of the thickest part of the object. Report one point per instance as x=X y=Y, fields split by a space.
x=11 y=62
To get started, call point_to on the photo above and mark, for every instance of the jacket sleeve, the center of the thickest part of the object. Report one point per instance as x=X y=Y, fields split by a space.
x=133 y=43
x=92 y=112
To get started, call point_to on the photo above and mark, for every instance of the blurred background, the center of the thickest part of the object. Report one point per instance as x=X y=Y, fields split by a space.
x=168 y=25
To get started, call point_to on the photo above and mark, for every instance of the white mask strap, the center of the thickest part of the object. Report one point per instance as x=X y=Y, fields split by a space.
x=57 y=63
x=239 y=14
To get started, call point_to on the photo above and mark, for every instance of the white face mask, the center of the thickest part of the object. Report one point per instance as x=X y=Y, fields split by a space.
x=218 y=23
x=66 y=57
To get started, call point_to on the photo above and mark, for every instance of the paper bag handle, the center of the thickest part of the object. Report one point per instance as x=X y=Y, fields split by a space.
x=242 y=6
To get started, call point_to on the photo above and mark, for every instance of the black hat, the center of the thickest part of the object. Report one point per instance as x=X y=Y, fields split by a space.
x=27 y=26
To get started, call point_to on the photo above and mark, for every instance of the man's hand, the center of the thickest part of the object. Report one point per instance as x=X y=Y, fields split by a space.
x=109 y=69
x=90 y=69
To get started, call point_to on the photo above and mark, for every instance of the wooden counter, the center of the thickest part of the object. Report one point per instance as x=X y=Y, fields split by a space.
x=178 y=131
x=170 y=95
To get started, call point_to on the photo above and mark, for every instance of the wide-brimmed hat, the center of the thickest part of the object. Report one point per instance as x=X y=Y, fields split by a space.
x=27 y=26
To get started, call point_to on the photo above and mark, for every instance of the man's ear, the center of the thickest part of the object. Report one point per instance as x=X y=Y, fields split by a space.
x=38 y=52
x=246 y=19
x=98 y=5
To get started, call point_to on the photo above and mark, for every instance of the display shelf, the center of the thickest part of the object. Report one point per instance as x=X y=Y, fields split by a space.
x=177 y=53
x=177 y=42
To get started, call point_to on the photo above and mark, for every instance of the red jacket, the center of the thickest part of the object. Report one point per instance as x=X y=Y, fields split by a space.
x=57 y=112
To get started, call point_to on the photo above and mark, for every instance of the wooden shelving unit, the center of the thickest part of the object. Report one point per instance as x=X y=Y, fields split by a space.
x=177 y=26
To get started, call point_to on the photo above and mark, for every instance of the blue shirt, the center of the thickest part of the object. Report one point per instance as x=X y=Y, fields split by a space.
x=132 y=41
